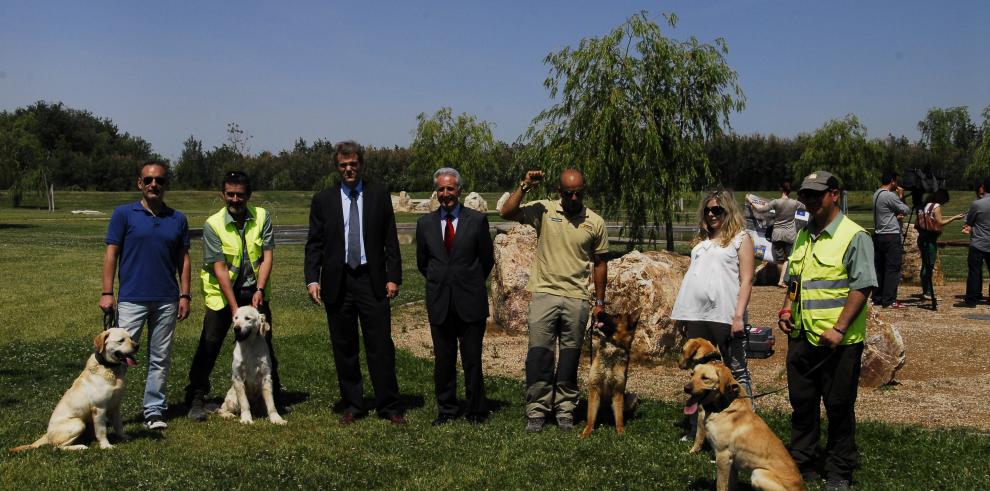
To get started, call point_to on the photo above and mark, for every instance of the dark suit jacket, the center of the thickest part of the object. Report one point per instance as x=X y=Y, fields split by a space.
x=455 y=280
x=325 y=245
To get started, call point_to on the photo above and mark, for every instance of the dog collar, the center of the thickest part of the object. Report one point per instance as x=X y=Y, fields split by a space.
x=713 y=356
x=719 y=404
x=102 y=360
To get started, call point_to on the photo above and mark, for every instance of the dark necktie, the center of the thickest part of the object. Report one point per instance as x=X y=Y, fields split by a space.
x=354 y=233
x=448 y=233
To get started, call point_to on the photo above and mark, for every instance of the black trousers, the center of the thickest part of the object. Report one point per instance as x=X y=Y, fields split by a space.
x=216 y=323
x=355 y=302
x=445 y=339
x=974 y=275
x=889 y=254
x=836 y=382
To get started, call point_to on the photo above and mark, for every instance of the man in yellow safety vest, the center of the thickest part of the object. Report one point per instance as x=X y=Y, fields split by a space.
x=830 y=276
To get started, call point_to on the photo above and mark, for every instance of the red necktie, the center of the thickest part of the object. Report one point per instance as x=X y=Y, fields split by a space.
x=448 y=234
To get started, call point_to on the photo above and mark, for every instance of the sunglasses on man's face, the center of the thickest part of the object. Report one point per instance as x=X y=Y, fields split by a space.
x=232 y=195
x=571 y=194
x=147 y=180
x=715 y=210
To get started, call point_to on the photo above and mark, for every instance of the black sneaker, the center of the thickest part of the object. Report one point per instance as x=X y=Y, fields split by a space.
x=155 y=423
x=811 y=475
x=837 y=484
x=534 y=425
x=197 y=411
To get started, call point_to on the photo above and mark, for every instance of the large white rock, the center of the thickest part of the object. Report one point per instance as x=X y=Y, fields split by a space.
x=883 y=354
x=474 y=201
x=402 y=202
x=514 y=255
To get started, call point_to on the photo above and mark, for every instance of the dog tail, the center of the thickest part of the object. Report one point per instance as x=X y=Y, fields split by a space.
x=37 y=443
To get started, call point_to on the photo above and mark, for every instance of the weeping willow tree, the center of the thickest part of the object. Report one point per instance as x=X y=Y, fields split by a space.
x=842 y=148
x=633 y=111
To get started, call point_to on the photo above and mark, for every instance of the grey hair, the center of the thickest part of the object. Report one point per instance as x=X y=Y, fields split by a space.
x=447 y=171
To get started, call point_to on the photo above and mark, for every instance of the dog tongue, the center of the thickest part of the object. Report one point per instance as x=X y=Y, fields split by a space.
x=130 y=361
x=691 y=408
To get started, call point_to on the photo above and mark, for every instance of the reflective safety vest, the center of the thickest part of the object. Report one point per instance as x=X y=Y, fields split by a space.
x=230 y=245
x=824 y=283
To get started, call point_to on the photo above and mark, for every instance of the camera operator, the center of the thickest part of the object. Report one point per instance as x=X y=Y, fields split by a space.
x=888 y=212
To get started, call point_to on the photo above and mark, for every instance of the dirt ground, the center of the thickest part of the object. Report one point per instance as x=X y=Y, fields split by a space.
x=945 y=381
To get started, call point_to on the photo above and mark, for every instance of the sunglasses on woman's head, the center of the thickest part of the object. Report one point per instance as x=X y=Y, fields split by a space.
x=715 y=210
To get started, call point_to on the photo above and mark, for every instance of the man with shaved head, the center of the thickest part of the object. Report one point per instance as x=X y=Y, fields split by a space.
x=570 y=236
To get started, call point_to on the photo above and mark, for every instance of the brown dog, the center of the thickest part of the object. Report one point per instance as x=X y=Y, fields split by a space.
x=741 y=439
x=698 y=351
x=609 y=366
x=94 y=397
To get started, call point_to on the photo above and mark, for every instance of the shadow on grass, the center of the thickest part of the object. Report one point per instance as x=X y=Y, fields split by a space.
x=4 y=226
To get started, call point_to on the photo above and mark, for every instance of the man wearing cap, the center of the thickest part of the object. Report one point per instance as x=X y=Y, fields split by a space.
x=570 y=237
x=829 y=280
x=888 y=211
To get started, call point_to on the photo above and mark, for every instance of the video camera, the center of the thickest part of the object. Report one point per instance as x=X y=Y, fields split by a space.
x=919 y=182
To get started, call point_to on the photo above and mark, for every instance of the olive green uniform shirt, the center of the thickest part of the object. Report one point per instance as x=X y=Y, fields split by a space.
x=565 y=248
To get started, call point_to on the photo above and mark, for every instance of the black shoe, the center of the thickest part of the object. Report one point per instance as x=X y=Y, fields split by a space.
x=811 y=476
x=476 y=418
x=965 y=305
x=535 y=424
x=565 y=422
x=837 y=484
x=197 y=411
x=443 y=419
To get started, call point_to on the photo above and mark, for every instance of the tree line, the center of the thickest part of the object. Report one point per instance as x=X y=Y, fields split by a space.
x=645 y=116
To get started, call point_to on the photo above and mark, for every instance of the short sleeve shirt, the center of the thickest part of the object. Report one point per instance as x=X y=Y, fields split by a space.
x=213 y=251
x=151 y=252
x=978 y=217
x=565 y=248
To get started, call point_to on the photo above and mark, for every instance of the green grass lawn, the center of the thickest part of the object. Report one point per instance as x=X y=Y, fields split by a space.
x=49 y=316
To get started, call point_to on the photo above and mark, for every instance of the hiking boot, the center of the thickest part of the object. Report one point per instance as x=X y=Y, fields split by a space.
x=155 y=423
x=197 y=411
x=534 y=425
x=565 y=422
x=811 y=475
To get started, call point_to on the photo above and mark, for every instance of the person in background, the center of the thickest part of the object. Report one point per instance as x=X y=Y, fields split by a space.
x=928 y=234
x=978 y=227
x=888 y=211
x=784 y=229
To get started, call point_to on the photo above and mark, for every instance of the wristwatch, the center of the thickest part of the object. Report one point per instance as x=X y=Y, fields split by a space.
x=599 y=302
x=525 y=186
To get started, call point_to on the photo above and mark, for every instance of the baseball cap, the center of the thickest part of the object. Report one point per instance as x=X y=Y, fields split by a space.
x=819 y=181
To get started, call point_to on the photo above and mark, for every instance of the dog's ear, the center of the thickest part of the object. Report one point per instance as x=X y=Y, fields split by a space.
x=265 y=326
x=689 y=350
x=726 y=384
x=100 y=341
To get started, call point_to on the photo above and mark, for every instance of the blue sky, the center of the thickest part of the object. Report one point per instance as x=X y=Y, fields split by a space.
x=365 y=69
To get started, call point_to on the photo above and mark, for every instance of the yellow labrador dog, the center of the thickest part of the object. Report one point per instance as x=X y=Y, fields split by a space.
x=251 y=370
x=741 y=439
x=698 y=351
x=94 y=397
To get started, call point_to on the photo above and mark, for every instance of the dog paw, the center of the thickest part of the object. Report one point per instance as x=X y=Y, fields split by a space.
x=585 y=434
x=247 y=421
x=276 y=419
x=106 y=445
x=694 y=450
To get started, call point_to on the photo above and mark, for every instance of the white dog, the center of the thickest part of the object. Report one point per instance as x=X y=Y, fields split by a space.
x=94 y=396
x=251 y=370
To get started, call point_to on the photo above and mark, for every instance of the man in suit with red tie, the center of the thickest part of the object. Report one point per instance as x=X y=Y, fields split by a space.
x=454 y=252
x=353 y=268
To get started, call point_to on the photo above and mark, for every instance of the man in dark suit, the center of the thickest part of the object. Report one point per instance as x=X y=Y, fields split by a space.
x=454 y=253
x=353 y=268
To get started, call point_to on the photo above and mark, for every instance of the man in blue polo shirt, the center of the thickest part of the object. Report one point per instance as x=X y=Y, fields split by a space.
x=151 y=243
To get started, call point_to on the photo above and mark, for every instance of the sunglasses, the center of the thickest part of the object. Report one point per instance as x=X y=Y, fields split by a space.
x=715 y=210
x=572 y=194
x=231 y=194
x=150 y=179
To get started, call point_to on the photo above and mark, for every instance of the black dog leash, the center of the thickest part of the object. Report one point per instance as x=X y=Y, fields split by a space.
x=109 y=318
x=816 y=367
